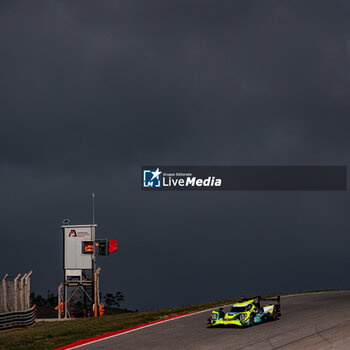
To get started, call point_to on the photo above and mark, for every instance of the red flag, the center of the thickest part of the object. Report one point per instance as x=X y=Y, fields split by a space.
x=112 y=246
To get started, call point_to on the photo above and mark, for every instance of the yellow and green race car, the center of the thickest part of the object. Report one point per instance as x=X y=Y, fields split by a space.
x=247 y=312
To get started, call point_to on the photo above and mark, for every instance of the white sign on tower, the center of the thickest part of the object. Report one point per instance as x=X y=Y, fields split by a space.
x=78 y=248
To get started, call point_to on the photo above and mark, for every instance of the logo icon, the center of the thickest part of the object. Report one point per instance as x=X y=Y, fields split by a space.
x=152 y=178
x=72 y=233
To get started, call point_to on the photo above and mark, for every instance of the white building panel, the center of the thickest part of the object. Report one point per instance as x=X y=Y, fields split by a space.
x=74 y=236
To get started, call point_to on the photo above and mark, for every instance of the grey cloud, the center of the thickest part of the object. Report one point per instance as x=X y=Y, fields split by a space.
x=90 y=92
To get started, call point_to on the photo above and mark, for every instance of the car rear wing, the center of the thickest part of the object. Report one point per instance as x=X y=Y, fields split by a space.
x=274 y=300
x=249 y=298
x=260 y=298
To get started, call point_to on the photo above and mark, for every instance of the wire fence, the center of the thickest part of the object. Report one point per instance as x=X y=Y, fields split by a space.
x=15 y=293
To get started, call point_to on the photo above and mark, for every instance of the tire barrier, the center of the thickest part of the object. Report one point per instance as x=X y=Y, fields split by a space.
x=17 y=318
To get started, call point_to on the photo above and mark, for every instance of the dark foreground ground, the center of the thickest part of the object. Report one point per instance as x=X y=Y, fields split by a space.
x=311 y=321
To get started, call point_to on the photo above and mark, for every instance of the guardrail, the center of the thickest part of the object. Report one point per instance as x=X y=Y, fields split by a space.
x=17 y=318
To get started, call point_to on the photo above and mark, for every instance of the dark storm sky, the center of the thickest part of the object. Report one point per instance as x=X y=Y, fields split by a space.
x=91 y=91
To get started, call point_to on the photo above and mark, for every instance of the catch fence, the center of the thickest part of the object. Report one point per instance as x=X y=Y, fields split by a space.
x=15 y=293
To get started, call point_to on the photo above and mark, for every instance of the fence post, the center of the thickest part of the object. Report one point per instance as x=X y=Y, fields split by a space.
x=96 y=293
x=4 y=292
x=15 y=291
x=27 y=290
x=21 y=293
x=59 y=296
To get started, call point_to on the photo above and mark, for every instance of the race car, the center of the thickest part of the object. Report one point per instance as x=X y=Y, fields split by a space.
x=247 y=312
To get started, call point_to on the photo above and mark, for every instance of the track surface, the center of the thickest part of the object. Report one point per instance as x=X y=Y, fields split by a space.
x=310 y=321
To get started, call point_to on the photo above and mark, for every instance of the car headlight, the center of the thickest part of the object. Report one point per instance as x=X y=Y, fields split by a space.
x=214 y=316
x=242 y=317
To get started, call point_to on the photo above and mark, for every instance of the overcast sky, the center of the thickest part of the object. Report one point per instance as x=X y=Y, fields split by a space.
x=91 y=91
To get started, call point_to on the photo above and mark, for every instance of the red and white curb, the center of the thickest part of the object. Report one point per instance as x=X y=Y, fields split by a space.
x=98 y=338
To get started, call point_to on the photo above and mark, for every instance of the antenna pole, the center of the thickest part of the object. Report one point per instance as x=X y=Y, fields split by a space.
x=93 y=207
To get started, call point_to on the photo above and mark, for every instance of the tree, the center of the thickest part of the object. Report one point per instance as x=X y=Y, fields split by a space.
x=38 y=300
x=114 y=300
x=49 y=302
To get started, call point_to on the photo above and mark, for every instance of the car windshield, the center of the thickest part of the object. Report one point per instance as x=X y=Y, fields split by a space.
x=238 y=308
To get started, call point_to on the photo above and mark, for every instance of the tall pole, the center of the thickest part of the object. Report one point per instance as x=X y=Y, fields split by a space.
x=96 y=292
x=93 y=207
x=93 y=256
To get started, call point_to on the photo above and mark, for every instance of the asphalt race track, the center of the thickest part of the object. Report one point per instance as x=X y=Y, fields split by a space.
x=310 y=321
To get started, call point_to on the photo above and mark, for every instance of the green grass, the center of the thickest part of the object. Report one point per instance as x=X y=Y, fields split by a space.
x=50 y=335
x=53 y=334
